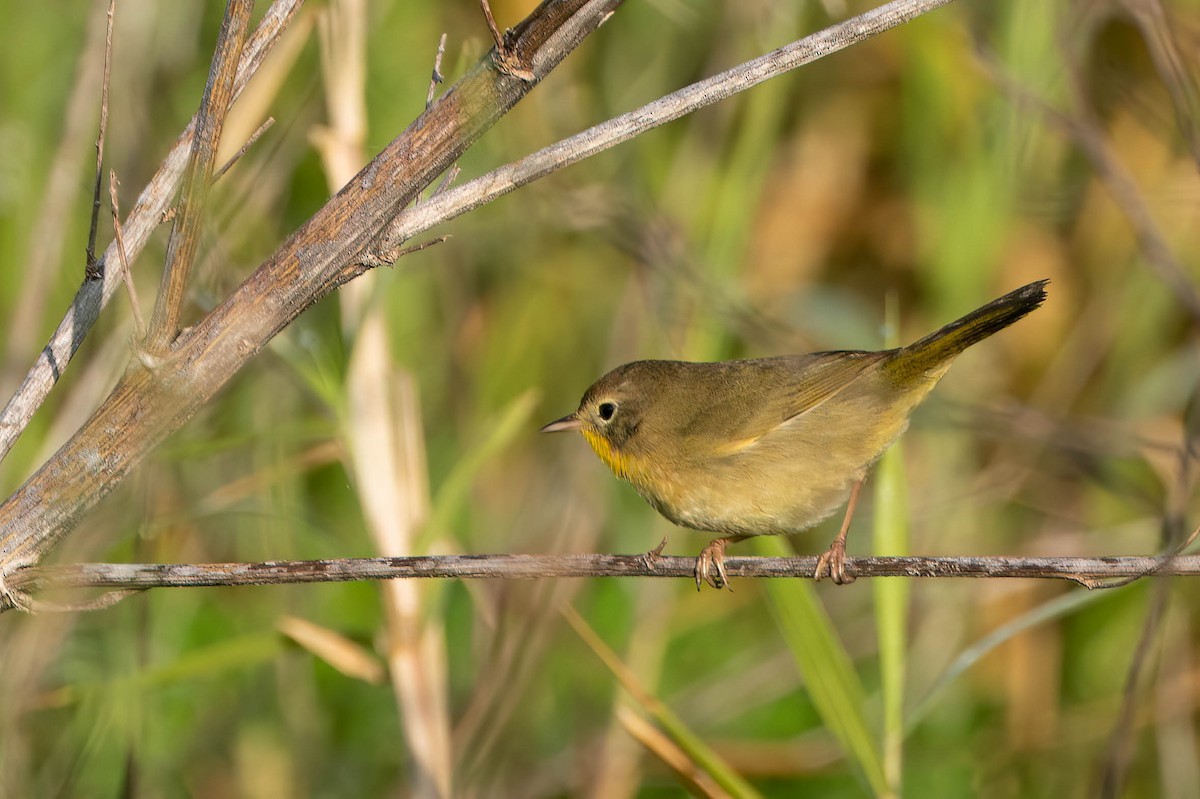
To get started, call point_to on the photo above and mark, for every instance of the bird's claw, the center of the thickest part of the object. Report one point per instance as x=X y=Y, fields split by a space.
x=832 y=564
x=710 y=566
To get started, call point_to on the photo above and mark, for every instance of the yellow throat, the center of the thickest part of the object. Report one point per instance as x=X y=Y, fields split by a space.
x=622 y=466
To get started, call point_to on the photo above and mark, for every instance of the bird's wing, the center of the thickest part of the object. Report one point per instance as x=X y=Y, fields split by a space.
x=802 y=383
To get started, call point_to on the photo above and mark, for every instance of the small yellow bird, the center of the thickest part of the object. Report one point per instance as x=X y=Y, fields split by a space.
x=769 y=445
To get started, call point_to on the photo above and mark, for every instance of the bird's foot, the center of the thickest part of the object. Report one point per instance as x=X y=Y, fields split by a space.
x=832 y=564
x=710 y=565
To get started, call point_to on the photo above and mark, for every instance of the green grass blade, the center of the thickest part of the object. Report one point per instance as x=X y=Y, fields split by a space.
x=833 y=684
x=891 y=534
x=891 y=608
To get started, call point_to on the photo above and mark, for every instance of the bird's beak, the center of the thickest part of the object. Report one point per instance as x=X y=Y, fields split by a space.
x=569 y=422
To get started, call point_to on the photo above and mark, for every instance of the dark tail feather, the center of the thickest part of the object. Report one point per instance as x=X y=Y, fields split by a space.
x=939 y=348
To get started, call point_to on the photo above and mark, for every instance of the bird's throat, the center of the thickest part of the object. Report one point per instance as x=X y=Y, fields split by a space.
x=620 y=464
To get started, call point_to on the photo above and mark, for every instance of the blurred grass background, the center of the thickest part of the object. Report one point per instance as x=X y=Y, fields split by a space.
x=943 y=163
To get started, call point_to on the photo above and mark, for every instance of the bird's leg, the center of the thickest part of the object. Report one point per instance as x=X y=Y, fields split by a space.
x=833 y=561
x=710 y=564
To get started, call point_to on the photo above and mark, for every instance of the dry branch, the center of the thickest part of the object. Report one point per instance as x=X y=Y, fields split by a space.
x=1088 y=571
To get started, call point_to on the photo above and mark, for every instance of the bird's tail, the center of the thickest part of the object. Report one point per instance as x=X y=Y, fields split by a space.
x=932 y=354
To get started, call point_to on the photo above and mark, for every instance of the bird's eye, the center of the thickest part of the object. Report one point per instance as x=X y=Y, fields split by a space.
x=606 y=410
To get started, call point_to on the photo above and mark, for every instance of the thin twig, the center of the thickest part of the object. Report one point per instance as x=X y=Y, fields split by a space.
x=1088 y=571
x=423 y=245
x=497 y=37
x=434 y=80
x=185 y=234
x=135 y=306
x=436 y=77
x=406 y=251
x=91 y=270
x=263 y=128
x=482 y=190
x=506 y=59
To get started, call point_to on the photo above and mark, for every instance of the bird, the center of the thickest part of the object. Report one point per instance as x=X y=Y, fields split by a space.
x=774 y=445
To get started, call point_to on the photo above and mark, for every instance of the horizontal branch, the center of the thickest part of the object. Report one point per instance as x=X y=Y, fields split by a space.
x=1087 y=571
